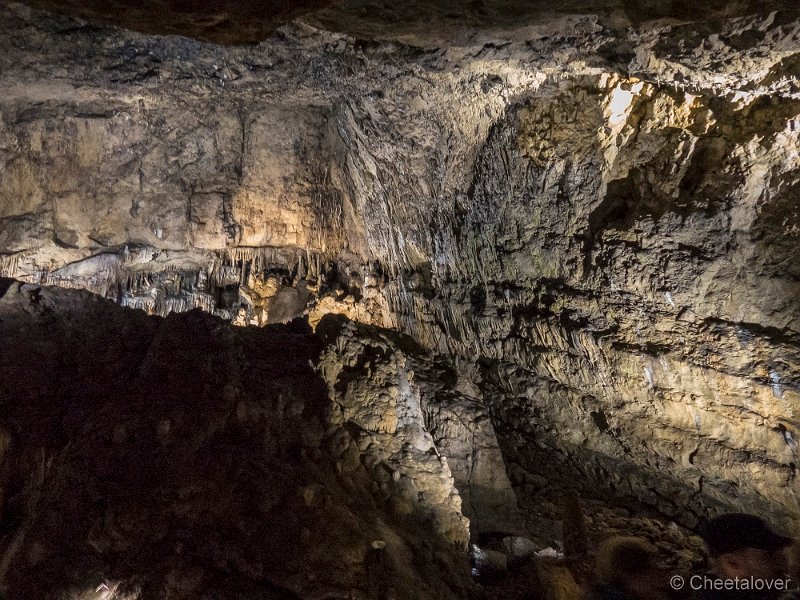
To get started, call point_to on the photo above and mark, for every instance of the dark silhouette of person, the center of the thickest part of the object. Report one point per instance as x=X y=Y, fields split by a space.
x=747 y=558
x=627 y=569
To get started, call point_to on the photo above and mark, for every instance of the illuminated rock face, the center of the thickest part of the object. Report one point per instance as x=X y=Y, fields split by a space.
x=601 y=227
x=418 y=423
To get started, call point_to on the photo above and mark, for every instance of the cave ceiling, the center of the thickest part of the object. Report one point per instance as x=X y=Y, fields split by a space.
x=233 y=22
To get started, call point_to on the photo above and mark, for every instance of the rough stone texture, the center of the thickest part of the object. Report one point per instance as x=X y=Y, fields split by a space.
x=412 y=418
x=602 y=222
x=460 y=423
x=219 y=21
x=446 y=21
x=372 y=384
x=624 y=288
x=185 y=458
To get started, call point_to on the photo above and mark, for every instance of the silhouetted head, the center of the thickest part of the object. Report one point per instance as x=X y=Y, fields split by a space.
x=742 y=545
x=631 y=564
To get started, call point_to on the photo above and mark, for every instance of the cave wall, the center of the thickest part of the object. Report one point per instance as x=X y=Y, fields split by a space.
x=603 y=250
x=626 y=262
x=603 y=223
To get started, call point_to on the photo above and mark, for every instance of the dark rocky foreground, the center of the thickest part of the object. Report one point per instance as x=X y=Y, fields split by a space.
x=185 y=458
x=181 y=457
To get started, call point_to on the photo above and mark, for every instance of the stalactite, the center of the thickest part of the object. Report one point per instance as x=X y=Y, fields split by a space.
x=9 y=264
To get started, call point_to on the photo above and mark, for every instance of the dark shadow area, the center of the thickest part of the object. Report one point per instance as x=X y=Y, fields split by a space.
x=776 y=232
x=184 y=458
x=236 y=22
x=229 y=22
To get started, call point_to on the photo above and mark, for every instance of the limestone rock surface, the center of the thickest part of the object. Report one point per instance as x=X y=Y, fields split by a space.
x=600 y=222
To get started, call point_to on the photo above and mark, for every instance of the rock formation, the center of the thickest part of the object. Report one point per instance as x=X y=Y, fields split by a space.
x=184 y=458
x=566 y=243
